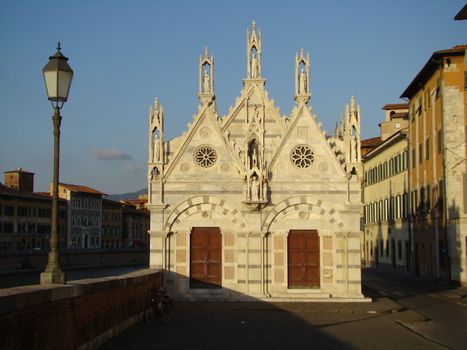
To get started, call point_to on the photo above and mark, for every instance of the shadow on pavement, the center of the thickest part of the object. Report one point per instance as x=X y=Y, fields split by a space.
x=227 y=325
x=251 y=324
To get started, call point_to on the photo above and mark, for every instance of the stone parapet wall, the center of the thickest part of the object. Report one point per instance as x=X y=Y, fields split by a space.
x=81 y=315
x=96 y=258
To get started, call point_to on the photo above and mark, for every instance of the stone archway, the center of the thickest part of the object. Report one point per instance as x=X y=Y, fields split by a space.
x=303 y=205
x=206 y=205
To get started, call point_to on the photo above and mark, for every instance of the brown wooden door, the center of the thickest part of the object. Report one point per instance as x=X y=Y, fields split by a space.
x=206 y=258
x=303 y=259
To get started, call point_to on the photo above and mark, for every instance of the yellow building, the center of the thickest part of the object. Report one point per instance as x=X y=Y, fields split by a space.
x=437 y=171
x=385 y=240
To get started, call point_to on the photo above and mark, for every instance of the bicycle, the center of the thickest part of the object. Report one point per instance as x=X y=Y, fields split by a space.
x=158 y=305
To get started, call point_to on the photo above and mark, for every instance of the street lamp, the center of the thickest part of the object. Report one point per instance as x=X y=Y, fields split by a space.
x=57 y=76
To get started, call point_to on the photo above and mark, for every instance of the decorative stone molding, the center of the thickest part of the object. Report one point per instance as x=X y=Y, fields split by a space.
x=302 y=156
x=206 y=203
x=289 y=205
x=205 y=156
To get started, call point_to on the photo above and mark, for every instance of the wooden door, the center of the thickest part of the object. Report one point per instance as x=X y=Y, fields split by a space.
x=303 y=259
x=206 y=258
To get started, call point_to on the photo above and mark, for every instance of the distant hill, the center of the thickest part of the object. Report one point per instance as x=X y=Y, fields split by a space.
x=129 y=195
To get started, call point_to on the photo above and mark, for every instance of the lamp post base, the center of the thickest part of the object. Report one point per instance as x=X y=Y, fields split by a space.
x=53 y=275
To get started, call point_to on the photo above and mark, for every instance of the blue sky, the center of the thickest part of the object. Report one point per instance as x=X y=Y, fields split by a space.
x=125 y=53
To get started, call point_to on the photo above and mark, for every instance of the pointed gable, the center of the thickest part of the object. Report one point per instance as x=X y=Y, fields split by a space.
x=305 y=154
x=237 y=124
x=202 y=151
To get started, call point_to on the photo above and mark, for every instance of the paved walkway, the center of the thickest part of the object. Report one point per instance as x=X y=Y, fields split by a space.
x=260 y=325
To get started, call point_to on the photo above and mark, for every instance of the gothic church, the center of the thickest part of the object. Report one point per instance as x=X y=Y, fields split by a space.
x=255 y=204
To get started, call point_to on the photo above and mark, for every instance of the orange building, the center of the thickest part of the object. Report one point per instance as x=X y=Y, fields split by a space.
x=437 y=170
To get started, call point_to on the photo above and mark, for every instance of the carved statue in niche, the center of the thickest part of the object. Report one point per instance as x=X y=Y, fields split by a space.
x=206 y=82
x=156 y=145
x=255 y=121
x=254 y=188
x=156 y=129
x=302 y=80
x=257 y=117
x=255 y=178
x=206 y=78
x=252 y=156
x=254 y=66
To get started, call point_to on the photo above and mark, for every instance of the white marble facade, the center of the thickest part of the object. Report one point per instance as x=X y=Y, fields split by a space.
x=256 y=175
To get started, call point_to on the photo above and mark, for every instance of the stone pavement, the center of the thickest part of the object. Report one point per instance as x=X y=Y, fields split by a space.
x=260 y=325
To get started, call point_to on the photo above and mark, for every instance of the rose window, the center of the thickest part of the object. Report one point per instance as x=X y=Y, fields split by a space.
x=302 y=156
x=205 y=156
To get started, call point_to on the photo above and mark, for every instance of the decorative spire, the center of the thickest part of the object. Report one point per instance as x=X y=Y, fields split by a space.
x=206 y=78
x=302 y=77
x=351 y=137
x=156 y=132
x=253 y=52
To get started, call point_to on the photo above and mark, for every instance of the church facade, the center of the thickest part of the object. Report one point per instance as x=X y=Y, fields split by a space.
x=255 y=204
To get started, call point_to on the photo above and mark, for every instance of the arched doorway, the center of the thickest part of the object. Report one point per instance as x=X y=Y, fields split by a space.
x=303 y=259
x=205 y=258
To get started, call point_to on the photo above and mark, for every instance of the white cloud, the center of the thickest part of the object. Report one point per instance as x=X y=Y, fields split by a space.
x=109 y=154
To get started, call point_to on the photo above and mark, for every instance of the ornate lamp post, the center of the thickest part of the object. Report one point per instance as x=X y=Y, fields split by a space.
x=57 y=76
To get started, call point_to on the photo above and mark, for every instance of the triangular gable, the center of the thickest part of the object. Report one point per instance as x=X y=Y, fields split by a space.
x=305 y=134
x=205 y=130
x=235 y=125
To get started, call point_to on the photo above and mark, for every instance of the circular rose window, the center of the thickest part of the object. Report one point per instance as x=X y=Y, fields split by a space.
x=302 y=156
x=205 y=156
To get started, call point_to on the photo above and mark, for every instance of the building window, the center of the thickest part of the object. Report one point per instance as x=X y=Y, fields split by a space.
x=414 y=162
x=391 y=209
x=441 y=196
x=405 y=205
x=9 y=210
x=428 y=197
x=387 y=247
x=438 y=87
x=427 y=149
x=420 y=153
x=398 y=207
x=22 y=211
x=422 y=199
x=385 y=211
x=399 y=250
x=440 y=141
x=380 y=212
